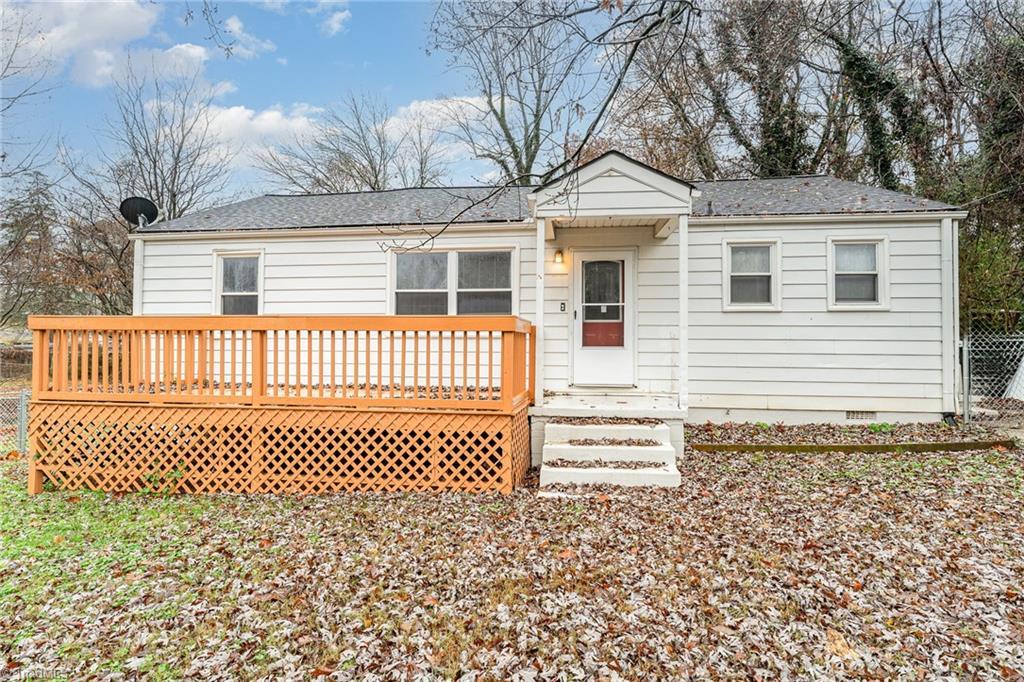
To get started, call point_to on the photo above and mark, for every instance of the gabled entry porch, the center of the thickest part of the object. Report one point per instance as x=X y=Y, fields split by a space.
x=612 y=331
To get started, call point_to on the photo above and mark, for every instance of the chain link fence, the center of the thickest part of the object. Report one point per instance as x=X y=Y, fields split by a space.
x=15 y=363
x=993 y=355
x=14 y=421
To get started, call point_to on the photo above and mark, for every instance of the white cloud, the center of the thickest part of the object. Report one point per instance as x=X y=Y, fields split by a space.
x=246 y=45
x=334 y=23
x=437 y=113
x=283 y=61
x=89 y=35
x=180 y=59
x=337 y=15
x=249 y=131
x=440 y=115
x=223 y=88
x=99 y=67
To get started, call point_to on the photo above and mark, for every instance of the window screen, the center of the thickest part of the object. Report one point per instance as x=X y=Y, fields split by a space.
x=856 y=275
x=603 y=294
x=240 y=285
x=750 y=275
x=480 y=283
x=421 y=283
x=485 y=283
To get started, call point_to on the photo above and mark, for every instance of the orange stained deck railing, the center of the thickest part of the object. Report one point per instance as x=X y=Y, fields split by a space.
x=479 y=363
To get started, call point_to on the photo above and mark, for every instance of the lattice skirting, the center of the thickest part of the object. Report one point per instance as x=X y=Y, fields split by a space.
x=275 y=450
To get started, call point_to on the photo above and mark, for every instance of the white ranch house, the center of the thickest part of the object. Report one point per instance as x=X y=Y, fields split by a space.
x=789 y=299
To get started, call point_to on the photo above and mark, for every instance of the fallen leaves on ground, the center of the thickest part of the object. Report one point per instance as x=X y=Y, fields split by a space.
x=758 y=566
x=749 y=433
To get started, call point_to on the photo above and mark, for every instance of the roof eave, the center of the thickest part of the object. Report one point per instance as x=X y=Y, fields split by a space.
x=384 y=230
x=871 y=216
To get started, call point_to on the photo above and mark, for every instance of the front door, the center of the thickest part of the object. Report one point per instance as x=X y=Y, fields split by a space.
x=603 y=318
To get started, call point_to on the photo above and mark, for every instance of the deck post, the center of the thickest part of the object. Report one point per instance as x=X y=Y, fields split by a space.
x=537 y=376
x=532 y=388
x=683 y=373
x=39 y=379
x=508 y=359
x=259 y=365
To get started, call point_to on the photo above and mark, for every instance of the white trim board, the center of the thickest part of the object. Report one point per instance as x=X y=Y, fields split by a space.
x=218 y=280
x=411 y=232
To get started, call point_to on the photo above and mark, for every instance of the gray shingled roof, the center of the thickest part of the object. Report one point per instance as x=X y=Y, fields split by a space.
x=818 y=194
x=803 y=195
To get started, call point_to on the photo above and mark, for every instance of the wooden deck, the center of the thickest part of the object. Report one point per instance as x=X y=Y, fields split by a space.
x=280 y=404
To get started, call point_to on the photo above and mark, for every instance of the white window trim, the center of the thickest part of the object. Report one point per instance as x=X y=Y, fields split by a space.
x=218 y=276
x=881 y=262
x=776 y=273
x=452 y=251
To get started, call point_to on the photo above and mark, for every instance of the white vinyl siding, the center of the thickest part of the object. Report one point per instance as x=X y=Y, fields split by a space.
x=808 y=356
x=803 y=357
x=657 y=304
x=313 y=275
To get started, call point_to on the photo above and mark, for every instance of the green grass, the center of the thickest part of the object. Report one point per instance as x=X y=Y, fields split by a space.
x=100 y=536
x=898 y=471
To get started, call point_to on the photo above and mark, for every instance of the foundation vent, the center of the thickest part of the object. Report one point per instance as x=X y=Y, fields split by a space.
x=861 y=415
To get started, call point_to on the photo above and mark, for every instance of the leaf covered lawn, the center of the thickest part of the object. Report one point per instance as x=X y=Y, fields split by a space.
x=758 y=566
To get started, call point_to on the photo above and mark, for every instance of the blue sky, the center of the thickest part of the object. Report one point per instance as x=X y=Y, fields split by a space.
x=290 y=60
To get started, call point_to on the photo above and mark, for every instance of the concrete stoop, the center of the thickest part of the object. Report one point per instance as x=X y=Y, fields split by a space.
x=557 y=447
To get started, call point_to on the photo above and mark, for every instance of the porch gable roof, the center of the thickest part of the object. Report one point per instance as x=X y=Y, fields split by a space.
x=612 y=184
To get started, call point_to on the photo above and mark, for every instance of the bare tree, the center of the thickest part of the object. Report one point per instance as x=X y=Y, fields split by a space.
x=29 y=275
x=421 y=158
x=161 y=145
x=23 y=71
x=359 y=146
x=548 y=73
x=530 y=81
x=753 y=88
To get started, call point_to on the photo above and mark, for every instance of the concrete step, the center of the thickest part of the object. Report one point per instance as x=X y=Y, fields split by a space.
x=560 y=433
x=663 y=453
x=661 y=477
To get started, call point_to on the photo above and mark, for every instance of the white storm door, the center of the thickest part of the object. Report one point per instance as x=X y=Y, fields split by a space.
x=604 y=318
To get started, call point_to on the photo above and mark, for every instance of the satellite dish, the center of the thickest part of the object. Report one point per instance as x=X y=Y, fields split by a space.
x=139 y=211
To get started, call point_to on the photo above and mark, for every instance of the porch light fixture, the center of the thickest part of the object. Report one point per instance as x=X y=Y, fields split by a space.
x=558 y=256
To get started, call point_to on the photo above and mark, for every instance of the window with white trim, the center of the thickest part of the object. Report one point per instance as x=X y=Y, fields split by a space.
x=485 y=283
x=421 y=283
x=453 y=282
x=751 y=275
x=239 y=290
x=857 y=273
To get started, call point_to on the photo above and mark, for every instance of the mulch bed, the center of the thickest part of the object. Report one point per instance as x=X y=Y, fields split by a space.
x=613 y=442
x=587 y=421
x=602 y=463
x=755 y=434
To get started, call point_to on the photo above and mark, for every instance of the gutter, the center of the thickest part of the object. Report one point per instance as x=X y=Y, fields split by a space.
x=398 y=232
x=390 y=232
